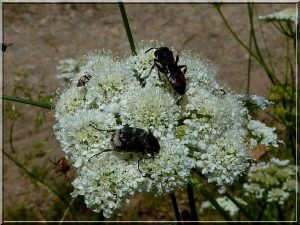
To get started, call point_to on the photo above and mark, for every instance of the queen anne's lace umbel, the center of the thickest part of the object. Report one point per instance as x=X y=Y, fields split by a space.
x=274 y=181
x=201 y=129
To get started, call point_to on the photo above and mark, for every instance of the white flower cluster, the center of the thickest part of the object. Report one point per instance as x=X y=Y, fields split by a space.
x=288 y=14
x=225 y=203
x=274 y=181
x=205 y=128
x=261 y=134
x=258 y=101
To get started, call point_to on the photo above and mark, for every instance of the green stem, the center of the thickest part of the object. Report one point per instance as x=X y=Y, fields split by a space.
x=27 y=101
x=280 y=212
x=66 y=211
x=127 y=28
x=11 y=137
x=210 y=198
x=265 y=42
x=192 y=202
x=32 y=176
x=241 y=208
x=260 y=56
x=261 y=211
x=175 y=207
x=249 y=63
x=269 y=73
x=214 y=202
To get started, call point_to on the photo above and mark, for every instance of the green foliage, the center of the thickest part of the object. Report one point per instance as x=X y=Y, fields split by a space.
x=20 y=211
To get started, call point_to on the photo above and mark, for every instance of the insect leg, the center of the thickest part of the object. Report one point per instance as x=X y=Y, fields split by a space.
x=53 y=162
x=159 y=68
x=101 y=129
x=105 y=150
x=177 y=59
x=184 y=68
x=151 y=69
x=139 y=163
x=152 y=156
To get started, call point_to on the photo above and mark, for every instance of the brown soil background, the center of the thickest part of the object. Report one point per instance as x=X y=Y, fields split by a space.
x=43 y=34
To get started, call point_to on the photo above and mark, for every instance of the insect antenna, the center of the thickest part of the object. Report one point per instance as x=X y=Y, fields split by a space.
x=142 y=157
x=52 y=161
x=149 y=49
x=101 y=129
x=105 y=150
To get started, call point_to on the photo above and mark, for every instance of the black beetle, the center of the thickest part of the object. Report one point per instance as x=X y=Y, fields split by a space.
x=129 y=139
x=165 y=63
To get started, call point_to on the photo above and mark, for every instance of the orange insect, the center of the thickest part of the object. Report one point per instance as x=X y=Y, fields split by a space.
x=258 y=152
x=61 y=165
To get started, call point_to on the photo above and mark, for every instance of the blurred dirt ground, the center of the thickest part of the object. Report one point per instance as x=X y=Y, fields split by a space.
x=43 y=34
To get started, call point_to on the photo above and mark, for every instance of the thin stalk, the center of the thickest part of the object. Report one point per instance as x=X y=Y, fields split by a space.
x=241 y=42
x=127 y=28
x=271 y=76
x=280 y=212
x=11 y=137
x=175 y=207
x=291 y=137
x=234 y=34
x=32 y=176
x=292 y=32
x=261 y=211
x=214 y=202
x=36 y=179
x=192 y=202
x=27 y=101
x=249 y=62
x=265 y=42
x=210 y=198
x=66 y=211
x=287 y=65
x=241 y=208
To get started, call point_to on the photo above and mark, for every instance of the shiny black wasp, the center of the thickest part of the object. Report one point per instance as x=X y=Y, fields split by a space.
x=165 y=63
x=83 y=80
x=129 y=139
x=5 y=45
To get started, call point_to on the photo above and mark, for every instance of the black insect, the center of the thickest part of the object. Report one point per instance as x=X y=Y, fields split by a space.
x=129 y=139
x=165 y=63
x=5 y=45
x=83 y=80
x=219 y=91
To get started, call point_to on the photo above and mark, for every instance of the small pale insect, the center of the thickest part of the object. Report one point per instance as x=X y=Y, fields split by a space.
x=84 y=80
x=61 y=165
x=219 y=91
x=130 y=139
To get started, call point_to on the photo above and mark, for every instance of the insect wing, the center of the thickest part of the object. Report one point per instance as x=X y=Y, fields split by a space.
x=83 y=80
x=131 y=139
x=257 y=153
x=177 y=81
